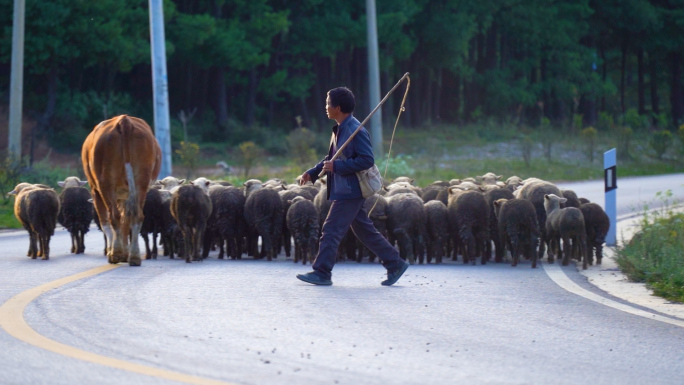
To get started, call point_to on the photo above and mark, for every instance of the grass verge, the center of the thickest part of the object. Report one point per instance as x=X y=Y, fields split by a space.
x=655 y=255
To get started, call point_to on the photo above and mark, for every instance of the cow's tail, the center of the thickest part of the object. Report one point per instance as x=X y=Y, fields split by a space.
x=132 y=200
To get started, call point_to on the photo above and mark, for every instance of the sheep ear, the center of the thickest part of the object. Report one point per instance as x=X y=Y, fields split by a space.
x=478 y=177
x=289 y=201
x=12 y=193
x=412 y=180
x=496 y=203
x=181 y=181
x=563 y=200
x=60 y=184
x=207 y=183
x=82 y=182
x=482 y=189
x=546 y=196
x=498 y=177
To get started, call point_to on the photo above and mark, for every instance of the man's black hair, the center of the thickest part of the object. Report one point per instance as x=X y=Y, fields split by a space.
x=344 y=98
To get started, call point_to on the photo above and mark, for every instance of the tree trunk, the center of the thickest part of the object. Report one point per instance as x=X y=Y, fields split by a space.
x=251 y=98
x=655 y=102
x=221 y=99
x=623 y=71
x=44 y=121
x=676 y=92
x=640 y=82
x=438 y=97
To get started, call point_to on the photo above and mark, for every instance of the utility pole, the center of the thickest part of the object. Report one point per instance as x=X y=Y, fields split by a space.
x=374 y=79
x=16 y=81
x=160 y=86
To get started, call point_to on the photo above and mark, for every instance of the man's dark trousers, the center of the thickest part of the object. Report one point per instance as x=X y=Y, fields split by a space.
x=342 y=214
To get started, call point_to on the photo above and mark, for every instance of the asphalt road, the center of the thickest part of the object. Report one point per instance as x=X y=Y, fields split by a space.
x=252 y=322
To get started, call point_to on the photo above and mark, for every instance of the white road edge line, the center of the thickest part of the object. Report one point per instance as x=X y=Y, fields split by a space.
x=561 y=279
x=12 y=320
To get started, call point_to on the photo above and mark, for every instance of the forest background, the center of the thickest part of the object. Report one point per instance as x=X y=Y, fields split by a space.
x=492 y=80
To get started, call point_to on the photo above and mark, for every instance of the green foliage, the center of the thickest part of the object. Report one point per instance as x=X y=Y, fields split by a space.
x=635 y=121
x=624 y=136
x=655 y=254
x=249 y=155
x=189 y=155
x=605 y=121
x=589 y=135
x=660 y=141
x=399 y=165
x=680 y=133
x=301 y=143
x=577 y=122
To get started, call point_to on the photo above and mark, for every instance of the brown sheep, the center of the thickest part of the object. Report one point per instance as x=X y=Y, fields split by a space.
x=37 y=209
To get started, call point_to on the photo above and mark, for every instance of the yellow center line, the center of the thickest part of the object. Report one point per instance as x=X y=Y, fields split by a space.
x=12 y=320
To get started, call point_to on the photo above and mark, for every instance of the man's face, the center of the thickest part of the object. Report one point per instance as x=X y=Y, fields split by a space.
x=332 y=112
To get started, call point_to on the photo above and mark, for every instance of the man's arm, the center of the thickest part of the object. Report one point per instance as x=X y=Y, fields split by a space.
x=364 y=156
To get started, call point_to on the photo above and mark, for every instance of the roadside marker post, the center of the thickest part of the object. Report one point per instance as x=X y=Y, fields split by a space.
x=610 y=181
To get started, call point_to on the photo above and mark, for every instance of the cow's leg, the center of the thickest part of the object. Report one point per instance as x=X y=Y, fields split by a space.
x=109 y=221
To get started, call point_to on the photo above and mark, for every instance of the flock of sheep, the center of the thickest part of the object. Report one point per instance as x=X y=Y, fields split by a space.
x=473 y=217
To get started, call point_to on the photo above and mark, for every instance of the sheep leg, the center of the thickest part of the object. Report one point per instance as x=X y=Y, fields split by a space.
x=154 y=245
x=33 y=246
x=81 y=241
x=567 y=250
x=45 y=246
x=599 y=253
x=287 y=241
x=208 y=244
x=148 y=253
x=74 y=241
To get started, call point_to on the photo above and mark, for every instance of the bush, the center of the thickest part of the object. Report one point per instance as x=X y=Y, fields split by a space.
x=398 y=166
x=680 y=133
x=577 y=122
x=654 y=255
x=249 y=154
x=624 y=137
x=188 y=153
x=301 y=144
x=660 y=141
x=605 y=121
x=589 y=135
x=635 y=121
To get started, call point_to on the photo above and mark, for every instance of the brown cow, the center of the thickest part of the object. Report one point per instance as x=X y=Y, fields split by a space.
x=121 y=157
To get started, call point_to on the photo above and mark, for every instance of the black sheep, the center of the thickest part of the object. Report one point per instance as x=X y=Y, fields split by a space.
x=302 y=222
x=226 y=224
x=517 y=228
x=490 y=197
x=437 y=226
x=469 y=222
x=597 y=224
x=264 y=215
x=191 y=208
x=152 y=222
x=76 y=211
x=406 y=225
x=566 y=224
x=534 y=192
x=572 y=199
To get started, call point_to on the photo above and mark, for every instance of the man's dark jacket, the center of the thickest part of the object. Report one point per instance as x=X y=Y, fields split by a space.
x=358 y=155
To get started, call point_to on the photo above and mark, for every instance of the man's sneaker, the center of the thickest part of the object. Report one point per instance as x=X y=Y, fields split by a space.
x=393 y=276
x=315 y=279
